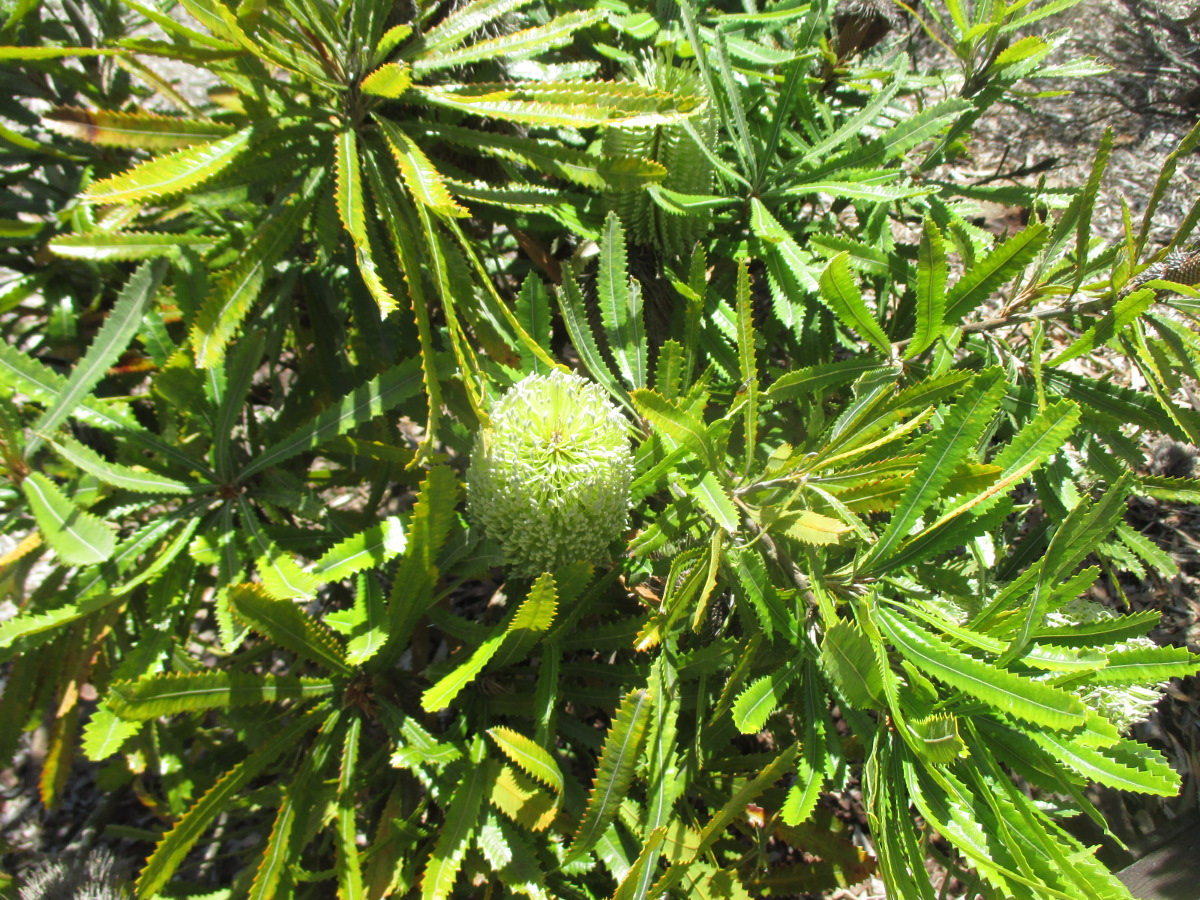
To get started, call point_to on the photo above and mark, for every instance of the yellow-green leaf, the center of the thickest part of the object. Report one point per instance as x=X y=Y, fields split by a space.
x=421 y=177
x=171 y=174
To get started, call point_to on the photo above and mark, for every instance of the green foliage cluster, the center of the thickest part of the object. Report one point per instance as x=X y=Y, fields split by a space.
x=249 y=342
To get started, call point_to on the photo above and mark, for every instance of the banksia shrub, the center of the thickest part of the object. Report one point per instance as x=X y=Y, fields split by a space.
x=549 y=480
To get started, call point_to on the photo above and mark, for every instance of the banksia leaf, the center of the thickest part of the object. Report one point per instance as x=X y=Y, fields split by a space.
x=618 y=760
x=465 y=20
x=119 y=329
x=518 y=45
x=519 y=797
x=142 y=130
x=535 y=761
x=839 y=290
x=536 y=612
x=175 y=844
x=1144 y=771
x=420 y=175
x=389 y=80
x=284 y=623
x=940 y=743
x=79 y=538
x=462 y=818
x=988 y=274
x=812 y=528
x=349 y=870
x=1032 y=701
x=167 y=695
x=124 y=245
x=569 y=104
x=175 y=173
x=367 y=549
x=620 y=300
x=349 y=190
x=233 y=295
x=623 y=172
x=441 y=694
x=761 y=698
x=957 y=436
x=119 y=476
x=931 y=288
x=848 y=659
x=368 y=400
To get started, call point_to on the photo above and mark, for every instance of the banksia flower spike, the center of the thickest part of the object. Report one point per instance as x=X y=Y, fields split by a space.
x=549 y=480
x=90 y=877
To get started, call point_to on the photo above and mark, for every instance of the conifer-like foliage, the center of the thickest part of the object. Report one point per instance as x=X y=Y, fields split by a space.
x=874 y=456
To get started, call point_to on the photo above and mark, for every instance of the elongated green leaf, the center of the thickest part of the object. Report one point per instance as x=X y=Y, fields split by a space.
x=1099 y=766
x=1083 y=228
x=31 y=54
x=124 y=477
x=349 y=190
x=389 y=80
x=812 y=528
x=168 y=695
x=174 y=846
x=119 y=328
x=959 y=433
x=462 y=818
x=620 y=173
x=368 y=635
x=1013 y=695
x=372 y=399
x=1039 y=438
x=736 y=805
x=620 y=301
x=714 y=500
x=465 y=20
x=105 y=733
x=637 y=881
x=43 y=385
x=117 y=246
x=371 y=547
x=533 y=312
x=802 y=796
x=574 y=312
x=517 y=45
x=234 y=293
x=133 y=129
x=1113 y=402
x=1124 y=313
x=79 y=538
x=848 y=659
x=678 y=424
x=441 y=694
x=421 y=177
x=989 y=273
x=762 y=697
x=1146 y=665
x=535 y=761
x=349 y=870
x=570 y=104
x=931 y=288
x=618 y=762
x=800 y=384
x=275 y=856
x=839 y=290
x=284 y=623
x=171 y=174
